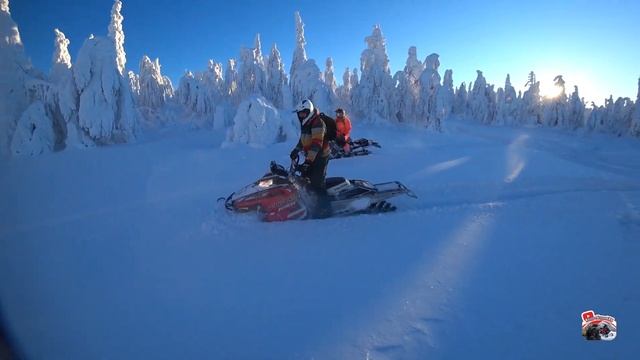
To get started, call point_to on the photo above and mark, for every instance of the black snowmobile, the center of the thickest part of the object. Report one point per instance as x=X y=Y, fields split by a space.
x=358 y=147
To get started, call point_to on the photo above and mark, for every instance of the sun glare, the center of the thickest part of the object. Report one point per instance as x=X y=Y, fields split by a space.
x=550 y=90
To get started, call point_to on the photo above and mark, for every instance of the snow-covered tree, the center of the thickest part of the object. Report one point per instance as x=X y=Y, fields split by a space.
x=231 y=82
x=445 y=96
x=252 y=73
x=530 y=109
x=374 y=96
x=355 y=79
x=62 y=101
x=116 y=34
x=575 y=111
x=480 y=100
x=203 y=92
x=277 y=84
x=153 y=89
x=408 y=87
x=258 y=123
x=460 y=102
x=343 y=92
x=634 y=129
x=15 y=69
x=507 y=104
x=531 y=79
x=106 y=109
x=429 y=86
x=612 y=118
x=555 y=109
x=306 y=80
x=330 y=80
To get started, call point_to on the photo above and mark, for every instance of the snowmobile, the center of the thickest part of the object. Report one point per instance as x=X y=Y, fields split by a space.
x=282 y=195
x=358 y=147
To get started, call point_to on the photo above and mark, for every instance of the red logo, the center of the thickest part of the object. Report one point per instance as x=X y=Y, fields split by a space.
x=598 y=327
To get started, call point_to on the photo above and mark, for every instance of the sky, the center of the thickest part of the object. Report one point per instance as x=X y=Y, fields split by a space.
x=592 y=43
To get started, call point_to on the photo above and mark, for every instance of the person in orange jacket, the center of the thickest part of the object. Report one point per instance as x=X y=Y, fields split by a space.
x=343 y=130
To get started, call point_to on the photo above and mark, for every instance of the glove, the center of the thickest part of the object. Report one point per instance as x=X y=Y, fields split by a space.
x=304 y=168
x=294 y=154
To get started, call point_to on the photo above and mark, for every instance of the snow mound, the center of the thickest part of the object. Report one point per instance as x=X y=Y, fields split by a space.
x=258 y=123
x=34 y=134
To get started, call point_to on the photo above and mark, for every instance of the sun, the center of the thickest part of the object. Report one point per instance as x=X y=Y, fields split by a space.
x=550 y=90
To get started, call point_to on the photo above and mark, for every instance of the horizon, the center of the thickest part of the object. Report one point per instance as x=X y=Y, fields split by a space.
x=615 y=75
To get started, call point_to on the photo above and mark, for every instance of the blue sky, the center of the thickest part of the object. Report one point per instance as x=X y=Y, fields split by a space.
x=593 y=43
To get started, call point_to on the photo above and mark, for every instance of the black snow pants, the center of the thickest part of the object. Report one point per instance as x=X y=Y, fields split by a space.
x=317 y=175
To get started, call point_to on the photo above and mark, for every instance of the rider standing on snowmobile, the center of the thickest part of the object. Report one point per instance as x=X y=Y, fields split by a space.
x=343 y=130
x=314 y=143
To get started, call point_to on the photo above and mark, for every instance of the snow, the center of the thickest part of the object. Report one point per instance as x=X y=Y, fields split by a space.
x=635 y=121
x=277 y=89
x=122 y=252
x=374 y=96
x=408 y=87
x=14 y=71
x=105 y=104
x=258 y=123
x=427 y=105
x=62 y=102
x=116 y=34
x=34 y=134
x=306 y=80
x=153 y=89
x=330 y=79
x=106 y=109
x=343 y=92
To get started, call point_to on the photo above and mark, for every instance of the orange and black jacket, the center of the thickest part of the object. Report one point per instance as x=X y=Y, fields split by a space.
x=313 y=140
x=343 y=127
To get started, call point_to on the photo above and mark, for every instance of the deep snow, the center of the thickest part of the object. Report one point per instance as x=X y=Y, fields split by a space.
x=123 y=252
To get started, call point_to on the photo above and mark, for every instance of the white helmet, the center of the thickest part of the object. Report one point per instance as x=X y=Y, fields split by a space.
x=305 y=104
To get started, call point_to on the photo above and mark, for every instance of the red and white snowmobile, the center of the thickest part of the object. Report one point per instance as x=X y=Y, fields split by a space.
x=282 y=195
x=358 y=147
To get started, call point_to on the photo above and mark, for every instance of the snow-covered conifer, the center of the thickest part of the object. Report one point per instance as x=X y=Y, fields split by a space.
x=530 y=109
x=374 y=96
x=460 y=103
x=634 y=129
x=445 y=96
x=555 y=109
x=408 y=87
x=343 y=92
x=479 y=100
x=575 y=111
x=116 y=34
x=258 y=123
x=429 y=87
x=106 y=108
x=277 y=83
x=330 y=80
x=154 y=89
x=62 y=101
x=306 y=81
x=507 y=104
x=15 y=69
x=231 y=82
